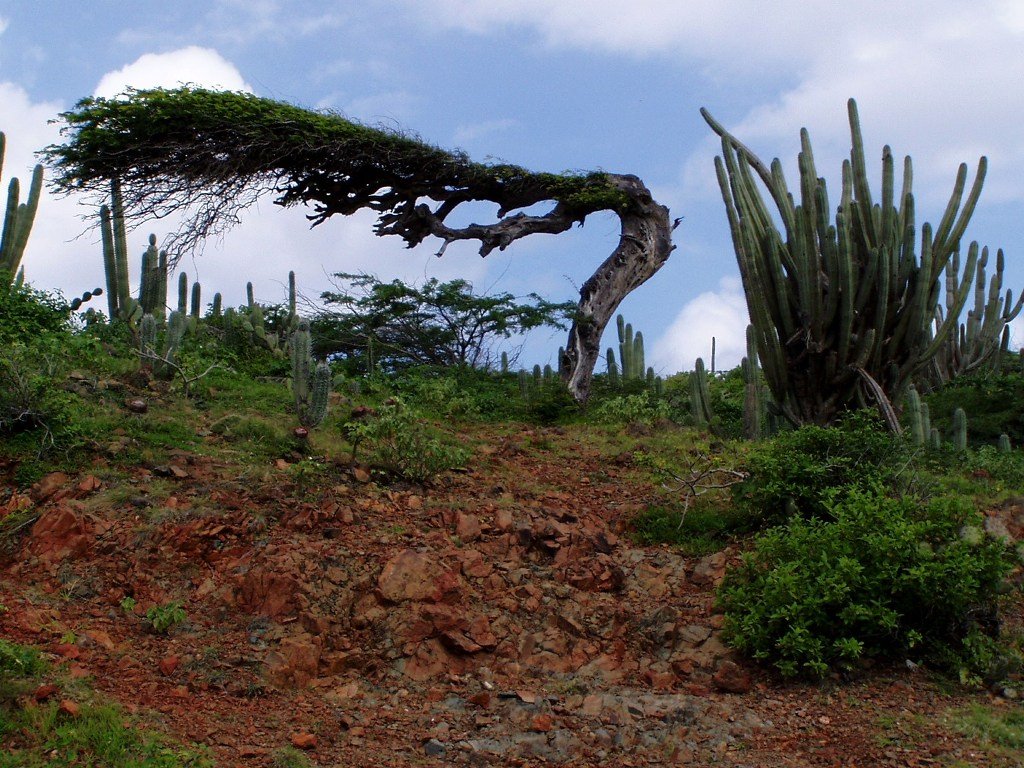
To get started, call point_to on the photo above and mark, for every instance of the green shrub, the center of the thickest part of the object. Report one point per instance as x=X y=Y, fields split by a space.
x=402 y=445
x=163 y=618
x=640 y=408
x=19 y=660
x=881 y=578
x=796 y=472
x=27 y=315
x=31 y=397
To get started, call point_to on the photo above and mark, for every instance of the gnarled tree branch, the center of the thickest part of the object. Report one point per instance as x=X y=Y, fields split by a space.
x=211 y=155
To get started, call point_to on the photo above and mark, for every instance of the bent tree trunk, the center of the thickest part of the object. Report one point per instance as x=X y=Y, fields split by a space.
x=211 y=155
x=645 y=243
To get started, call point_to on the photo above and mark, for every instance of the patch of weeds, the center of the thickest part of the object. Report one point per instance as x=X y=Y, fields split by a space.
x=163 y=618
x=704 y=530
x=15 y=526
x=128 y=605
x=289 y=757
x=999 y=728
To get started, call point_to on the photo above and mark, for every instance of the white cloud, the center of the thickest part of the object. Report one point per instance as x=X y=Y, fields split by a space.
x=472 y=131
x=721 y=314
x=186 y=66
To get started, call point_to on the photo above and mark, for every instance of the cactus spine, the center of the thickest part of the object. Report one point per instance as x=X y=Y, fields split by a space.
x=843 y=311
x=18 y=218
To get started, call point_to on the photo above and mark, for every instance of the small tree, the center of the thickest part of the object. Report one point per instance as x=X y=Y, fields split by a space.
x=437 y=323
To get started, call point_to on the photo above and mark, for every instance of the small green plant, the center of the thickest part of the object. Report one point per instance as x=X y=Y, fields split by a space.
x=163 y=618
x=402 y=445
x=877 y=577
x=128 y=604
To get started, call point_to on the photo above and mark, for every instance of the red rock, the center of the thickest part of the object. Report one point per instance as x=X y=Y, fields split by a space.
x=412 y=575
x=67 y=650
x=268 y=593
x=361 y=475
x=731 y=678
x=430 y=660
x=503 y=520
x=48 y=486
x=101 y=638
x=481 y=699
x=43 y=692
x=414 y=502
x=59 y=534
x=168 y=665
x=77 y=672
x=70 y=708
x=88 y=484
x=467 y=527
x=303 y=740
x=542 y=723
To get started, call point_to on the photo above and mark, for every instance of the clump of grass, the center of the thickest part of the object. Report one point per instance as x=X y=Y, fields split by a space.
x=43 y=735
x=704 y=529
x=991 y=727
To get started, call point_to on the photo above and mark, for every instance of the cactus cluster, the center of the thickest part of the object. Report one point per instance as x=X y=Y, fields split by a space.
x=311 y=383
x=630 y=365
x=18 y=219
x=842 y=310
x=981 y=341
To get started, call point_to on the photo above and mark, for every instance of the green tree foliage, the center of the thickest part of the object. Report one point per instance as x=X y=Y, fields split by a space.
x=391 y=326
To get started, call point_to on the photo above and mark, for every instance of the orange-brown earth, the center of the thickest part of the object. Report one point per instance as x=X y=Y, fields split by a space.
x=502 y=617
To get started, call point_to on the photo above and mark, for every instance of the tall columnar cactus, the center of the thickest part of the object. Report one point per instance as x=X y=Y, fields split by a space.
x=504 y=363
x=311 y=384
x=960 y=429
x=18 y=217
x=250 y=296
x=197 y=300
x=753 y=403
x=613 y=369
x=914 y=417
x=700 y=397
x=182 y=293
x=1004 y=443
x=843 y=310
x=985 y=336
x=215 y=310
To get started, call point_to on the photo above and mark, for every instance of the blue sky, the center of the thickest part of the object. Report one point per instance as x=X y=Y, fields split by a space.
x=552 y=86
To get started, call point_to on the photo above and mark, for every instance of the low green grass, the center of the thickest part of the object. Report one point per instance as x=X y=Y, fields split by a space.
x=704 y=530
x=998 y=730
x=41 y=735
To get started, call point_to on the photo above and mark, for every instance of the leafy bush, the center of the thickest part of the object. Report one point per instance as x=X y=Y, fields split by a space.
x=641 y=408
x=27 y=314
x=402 y=445
x=881 y=578
x=796 y=472
x=30 y=394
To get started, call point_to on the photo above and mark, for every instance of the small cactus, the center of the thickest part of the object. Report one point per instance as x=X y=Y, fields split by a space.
x=960 y=429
